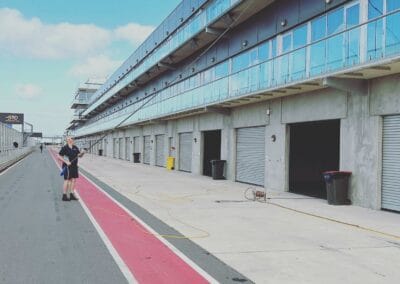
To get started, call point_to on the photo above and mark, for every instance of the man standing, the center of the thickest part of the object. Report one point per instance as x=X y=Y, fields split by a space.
x=69 y=155
x=41 y=148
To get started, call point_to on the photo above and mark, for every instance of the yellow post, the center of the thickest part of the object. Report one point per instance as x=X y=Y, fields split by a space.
x=170 y=163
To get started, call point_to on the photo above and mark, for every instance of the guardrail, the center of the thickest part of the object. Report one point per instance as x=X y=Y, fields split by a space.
x=11 y=156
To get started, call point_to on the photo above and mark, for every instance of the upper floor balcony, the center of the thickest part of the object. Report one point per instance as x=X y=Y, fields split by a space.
x=199 y=31
x=334 y=48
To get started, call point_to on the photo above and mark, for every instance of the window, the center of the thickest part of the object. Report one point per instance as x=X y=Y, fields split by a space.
x=263 y=51
x=375 y=8
x=240 y=62
x=392 y=5
x=221 y=70
x=335 y=21
x=300 y=36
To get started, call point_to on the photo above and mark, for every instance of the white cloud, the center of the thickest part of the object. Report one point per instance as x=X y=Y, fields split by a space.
x=94 y=67
x=32 y=38
x=28 y=91
x=134 y=33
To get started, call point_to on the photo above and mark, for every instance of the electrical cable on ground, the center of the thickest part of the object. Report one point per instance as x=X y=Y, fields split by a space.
x=397 y=237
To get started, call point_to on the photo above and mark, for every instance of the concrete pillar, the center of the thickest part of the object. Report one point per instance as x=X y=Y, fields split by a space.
x=228 y=147
x=360 y=151
x=277 y=150
x=197 y=148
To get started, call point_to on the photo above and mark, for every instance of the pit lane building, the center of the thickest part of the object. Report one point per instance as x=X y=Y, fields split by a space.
x=282 y=90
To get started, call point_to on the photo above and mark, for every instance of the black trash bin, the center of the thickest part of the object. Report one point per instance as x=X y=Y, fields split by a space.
x=136 y=157
x=100 y=152
x=217 y=169
x=337 y=187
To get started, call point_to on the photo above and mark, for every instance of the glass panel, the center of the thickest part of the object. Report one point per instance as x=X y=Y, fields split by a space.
x=264 y=75
x=375 y=8
x=352 y=16
x=253 y=56
x=221 y=70
x=392 y=34
x=263 y=51
x=287 y=42
x=300 y=36
x=392 y=5
x=353 y=36
x=335 y=52
x=335 y=21
x=375 y=40
x=240 y=62
x=273 y=48
x=299 y=64
x=318 y=28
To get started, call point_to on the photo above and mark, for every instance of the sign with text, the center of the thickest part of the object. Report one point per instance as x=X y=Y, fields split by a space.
x=12 y=118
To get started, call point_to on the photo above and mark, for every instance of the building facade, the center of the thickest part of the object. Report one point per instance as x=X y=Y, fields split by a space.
x=281 y=90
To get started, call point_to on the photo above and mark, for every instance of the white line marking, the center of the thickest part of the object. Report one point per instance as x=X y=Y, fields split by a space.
x=118 y=260
x=10 y=167
x=163 y=240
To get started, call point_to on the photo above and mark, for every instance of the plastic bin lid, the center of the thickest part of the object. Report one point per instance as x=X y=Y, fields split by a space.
x=336 y=173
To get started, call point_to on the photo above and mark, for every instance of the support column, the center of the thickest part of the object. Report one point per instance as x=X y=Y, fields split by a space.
x=277 y=150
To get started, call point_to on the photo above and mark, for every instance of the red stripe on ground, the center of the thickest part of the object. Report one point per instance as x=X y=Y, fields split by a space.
x=149 y=260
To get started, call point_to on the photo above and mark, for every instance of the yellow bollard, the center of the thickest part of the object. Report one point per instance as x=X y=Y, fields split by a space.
x=170 y=163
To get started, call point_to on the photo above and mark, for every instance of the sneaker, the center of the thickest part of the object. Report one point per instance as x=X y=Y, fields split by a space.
x=65 y=198
x=72 y=197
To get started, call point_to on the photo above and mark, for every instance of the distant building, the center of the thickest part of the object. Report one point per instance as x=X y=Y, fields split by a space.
x=281 y=90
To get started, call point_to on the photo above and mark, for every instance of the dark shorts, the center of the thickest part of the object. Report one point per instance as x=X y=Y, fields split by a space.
x=72 y=172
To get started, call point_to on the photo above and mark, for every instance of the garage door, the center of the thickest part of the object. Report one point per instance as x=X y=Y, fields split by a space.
x=147 y=147
x=160 y=156
x=120 y=148
x=115 y=147
x=105 y=147
x=136 y=146
x=391 y=163
x=185 y=152
x=127 y=148
x=250 y=155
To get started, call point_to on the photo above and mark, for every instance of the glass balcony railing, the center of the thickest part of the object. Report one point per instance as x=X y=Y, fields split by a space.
x=337 y=52
x=194 y=26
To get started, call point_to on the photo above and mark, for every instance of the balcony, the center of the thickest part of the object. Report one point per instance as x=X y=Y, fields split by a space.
x=198 y=32
x=79 y=103
x=296 y=71
x=76 y=118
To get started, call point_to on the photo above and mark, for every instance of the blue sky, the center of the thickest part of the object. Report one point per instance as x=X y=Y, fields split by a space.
x=49 y=47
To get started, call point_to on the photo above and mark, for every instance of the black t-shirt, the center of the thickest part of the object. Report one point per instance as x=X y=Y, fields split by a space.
x=71 y=153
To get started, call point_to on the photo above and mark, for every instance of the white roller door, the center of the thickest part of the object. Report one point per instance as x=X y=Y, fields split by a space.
x=120 y=148
x=185 y=152
x=160 y=156
x=250 y=155
x=147 y=148
x=136 y=146
x=127 y=148
x=115 y=144
x=391 y=163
